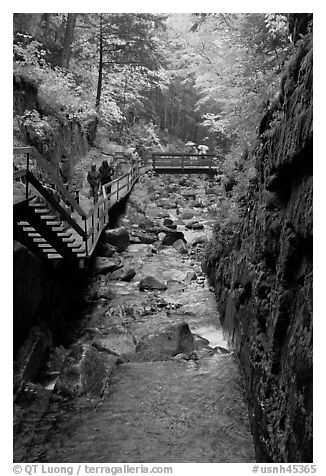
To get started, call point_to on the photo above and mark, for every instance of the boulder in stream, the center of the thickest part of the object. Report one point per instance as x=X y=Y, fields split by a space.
x=174 y=340
x=194 y=225
x=171 y=237
x=151 y=283
x=83 y=372
x=105 y=250
x=180 y=246
x=142 y=237
x=123 y=274
x=146 y=223
x=186 y=215
x=107 y=265
x=118 y=237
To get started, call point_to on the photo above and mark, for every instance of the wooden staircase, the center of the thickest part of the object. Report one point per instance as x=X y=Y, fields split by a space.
x=50 y=222
x=46 y=233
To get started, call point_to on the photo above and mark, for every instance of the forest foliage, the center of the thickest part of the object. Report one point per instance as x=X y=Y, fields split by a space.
x=199 y=77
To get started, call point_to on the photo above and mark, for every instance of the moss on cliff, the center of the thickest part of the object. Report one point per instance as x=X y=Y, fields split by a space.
x=262 y=274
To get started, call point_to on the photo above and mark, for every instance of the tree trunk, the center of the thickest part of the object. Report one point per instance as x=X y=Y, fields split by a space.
x=46 y=18
x=68 y=39
x=100 y=68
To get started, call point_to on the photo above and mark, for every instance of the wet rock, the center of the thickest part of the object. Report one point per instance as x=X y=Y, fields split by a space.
x=190 y=276
x=107 y=265
x=186 y=215
x=200 y=342
x=146 y=223
x=185 y=182
x=31 y=357
x=142 y=237
x=210 y=191
x=180 y=222
x=197 y=204
x=172 y=341
x=83 y=372
x=118 y=237
x=121 y=345
x=200 y=240
x=194 y=225
x=163 y=214
x=106 y=250
x=188 y=195
x=166 y=203
x=167 y=222
x=151 y=283
x=171 y=237
x=123 y=274
x=180 y=246
x=134 y=240
x=222 y=350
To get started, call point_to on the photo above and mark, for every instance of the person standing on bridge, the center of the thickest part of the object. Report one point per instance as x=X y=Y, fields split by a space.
x=106 y=175
x=93 y=178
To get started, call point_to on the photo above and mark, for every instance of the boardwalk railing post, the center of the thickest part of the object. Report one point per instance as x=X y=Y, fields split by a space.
x=153 y=160
x=26 y=180
x=183 y=163
x=86 y=237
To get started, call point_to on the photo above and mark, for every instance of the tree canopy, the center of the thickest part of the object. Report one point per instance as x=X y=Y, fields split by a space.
x=200 y=77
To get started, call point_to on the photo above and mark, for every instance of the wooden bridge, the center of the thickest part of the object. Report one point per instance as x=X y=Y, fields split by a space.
x=171 y=163
x=49 y=219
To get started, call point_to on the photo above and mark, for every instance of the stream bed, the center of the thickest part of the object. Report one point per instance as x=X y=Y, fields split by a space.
x=185 y=406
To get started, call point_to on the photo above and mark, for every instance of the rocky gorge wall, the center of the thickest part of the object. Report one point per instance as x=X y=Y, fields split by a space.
x=41 y=297
x=64 y=140
x=38 y=294
x=263 y=274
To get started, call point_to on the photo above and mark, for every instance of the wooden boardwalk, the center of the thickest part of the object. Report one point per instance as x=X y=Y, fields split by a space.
x=51 y=222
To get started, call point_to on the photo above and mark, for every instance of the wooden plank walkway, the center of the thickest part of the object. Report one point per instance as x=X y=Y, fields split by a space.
x=76 y=232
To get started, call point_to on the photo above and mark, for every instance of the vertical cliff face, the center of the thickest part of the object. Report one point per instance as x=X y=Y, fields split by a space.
x=263 y=278
x=64 y=141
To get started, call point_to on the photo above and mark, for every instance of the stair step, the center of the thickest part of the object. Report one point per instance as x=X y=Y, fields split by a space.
x=74 y=244
x=49 y=251
x=64 y=234
x=55 y=224
x=37 y=204
x=24 y=223
x=78 y=250
x=30 y=230
x=68 y=239
x=44 y=245
x=49 y=217
x=43 y=210
x=54 y=256
x=37 y=239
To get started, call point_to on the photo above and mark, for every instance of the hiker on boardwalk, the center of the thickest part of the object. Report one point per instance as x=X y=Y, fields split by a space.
x=93 y=178
x=106 y=175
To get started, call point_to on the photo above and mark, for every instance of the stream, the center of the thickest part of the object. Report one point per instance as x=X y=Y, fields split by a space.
x=188 y=407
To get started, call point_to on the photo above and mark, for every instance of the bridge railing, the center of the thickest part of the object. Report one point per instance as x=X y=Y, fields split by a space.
x=182 y=161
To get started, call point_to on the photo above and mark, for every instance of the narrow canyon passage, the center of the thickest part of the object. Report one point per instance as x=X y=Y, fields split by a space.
x=155 y=405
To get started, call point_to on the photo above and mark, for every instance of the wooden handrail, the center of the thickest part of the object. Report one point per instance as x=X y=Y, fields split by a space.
x=49 y=170
x=23 y=150
x=49 y=198
x=172 y=154
x=19 y=173
x=96 y=206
